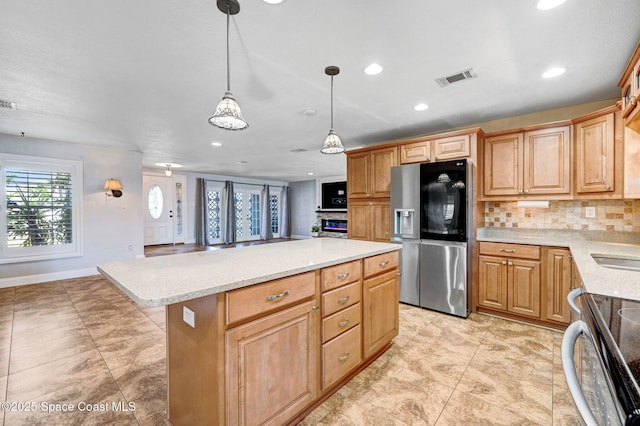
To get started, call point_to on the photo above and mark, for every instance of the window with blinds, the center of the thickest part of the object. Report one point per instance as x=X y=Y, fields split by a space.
x=41 y=216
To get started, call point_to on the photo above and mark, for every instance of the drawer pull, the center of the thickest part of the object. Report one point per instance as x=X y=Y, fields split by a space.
x=278 y=296
x=343 y=299
x=343 y=276
x=383 y=264
x=343 y=357
x=507 y=250
x=344 y=322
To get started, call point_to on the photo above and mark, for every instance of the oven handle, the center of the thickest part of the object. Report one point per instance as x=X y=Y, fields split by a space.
x=568 y=349
x=571 y=298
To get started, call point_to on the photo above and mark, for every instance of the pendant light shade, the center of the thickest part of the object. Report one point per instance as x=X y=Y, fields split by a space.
x=332 y=144
x=228 y=115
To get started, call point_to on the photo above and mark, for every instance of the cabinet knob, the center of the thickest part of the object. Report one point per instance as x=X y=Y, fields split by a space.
x=510 y=263
x=504 y=262
x=315 y=307
x=526 y=191
x=519 y=191
x=607 y=187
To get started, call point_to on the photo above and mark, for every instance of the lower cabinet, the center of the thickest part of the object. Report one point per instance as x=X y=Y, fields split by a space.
x=380 y=311
x=266 y=353
x=510 y=282
x=278 y=353
x=558 y=285
x=527 y=281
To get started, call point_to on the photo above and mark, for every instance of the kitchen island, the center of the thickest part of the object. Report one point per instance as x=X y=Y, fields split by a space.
x=263 y=334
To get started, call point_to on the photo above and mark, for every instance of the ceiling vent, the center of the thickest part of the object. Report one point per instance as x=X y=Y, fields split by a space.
x=297 y=150
x=449 y=80
x=7 y=104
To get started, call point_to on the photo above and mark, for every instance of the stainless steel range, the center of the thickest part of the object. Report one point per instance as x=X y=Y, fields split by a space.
x=606 y=342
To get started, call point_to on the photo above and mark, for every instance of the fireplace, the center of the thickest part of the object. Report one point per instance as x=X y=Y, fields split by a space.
x=334 y=225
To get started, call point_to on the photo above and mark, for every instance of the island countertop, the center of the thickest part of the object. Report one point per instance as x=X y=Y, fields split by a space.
x=165 y=280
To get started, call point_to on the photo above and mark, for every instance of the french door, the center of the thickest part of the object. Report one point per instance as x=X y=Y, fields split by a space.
x=247 y=210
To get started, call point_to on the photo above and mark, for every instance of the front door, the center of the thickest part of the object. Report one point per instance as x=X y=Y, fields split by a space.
x=158 y=210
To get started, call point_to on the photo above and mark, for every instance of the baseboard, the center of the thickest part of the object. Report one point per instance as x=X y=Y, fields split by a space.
x=300 y=237
x=43 y=278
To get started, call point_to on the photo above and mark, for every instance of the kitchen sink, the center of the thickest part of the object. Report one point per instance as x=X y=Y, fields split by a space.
x=625 y=263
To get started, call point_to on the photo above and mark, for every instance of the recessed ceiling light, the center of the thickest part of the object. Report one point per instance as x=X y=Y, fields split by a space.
x=216 y=144
x=421 y=107
x=553 y=72
x=273 y=1
x=310 y=173
x=373 y=69
x=309 y=112
x=241 y=162
x=548 y=4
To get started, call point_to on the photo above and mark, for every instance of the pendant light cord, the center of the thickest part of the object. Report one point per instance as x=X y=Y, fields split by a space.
x=228 y=68
x=331 y=102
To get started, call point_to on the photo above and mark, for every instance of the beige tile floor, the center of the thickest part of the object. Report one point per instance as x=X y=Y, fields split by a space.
x=82 y=341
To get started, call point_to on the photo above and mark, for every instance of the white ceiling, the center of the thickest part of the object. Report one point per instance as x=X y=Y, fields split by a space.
x=147 y=74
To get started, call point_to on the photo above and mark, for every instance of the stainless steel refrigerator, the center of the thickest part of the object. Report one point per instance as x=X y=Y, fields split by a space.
x=431 y=217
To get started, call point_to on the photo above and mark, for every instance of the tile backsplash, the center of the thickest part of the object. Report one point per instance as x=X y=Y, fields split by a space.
x=610 y=215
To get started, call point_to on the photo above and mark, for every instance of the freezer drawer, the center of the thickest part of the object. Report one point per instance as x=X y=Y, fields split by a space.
x=443 y=277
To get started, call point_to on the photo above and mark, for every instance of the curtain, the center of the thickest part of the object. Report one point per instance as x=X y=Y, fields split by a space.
x=265 y=214
x=201 y=212
x=285 y=213
x=227 y=214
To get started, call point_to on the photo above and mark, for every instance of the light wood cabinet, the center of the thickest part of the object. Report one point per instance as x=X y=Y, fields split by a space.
x=436 y=148
x=630 y=85
x=278 y=352
x=595 y=155
x=369 y=172
x=380 y=311
x=509 y=278
x=369 y=220
x=533 y=162
x=558 y=284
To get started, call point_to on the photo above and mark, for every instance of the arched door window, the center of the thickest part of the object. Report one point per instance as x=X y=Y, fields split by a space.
x=155 y=202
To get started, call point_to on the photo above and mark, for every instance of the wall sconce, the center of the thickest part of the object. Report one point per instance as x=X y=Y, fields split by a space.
x=114 y=186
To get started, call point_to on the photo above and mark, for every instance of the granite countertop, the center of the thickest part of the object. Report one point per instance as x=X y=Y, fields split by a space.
x=597 y=279
x=165 y=280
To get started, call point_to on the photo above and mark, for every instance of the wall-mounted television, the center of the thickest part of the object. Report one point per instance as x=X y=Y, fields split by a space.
x=334 y=195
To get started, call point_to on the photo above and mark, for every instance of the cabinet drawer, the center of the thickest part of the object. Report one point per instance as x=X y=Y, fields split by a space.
x=339 y=275
x=341 y=355
x=340 y=298
x=261 y=298
x=340 y=322
x=383 y=262
x=510 y=250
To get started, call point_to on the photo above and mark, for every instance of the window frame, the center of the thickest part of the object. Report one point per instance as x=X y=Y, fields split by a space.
x=44 y=252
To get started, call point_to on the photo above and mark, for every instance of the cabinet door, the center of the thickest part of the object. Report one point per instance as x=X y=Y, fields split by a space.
x=381 y=219
x=558 y=285
x=358 y=218
x=502 y=175
x=492 y=282
x=547 y=165
x=451 y=148
x=595 y=141
x=279 y=353
x=358 y=175
x=380 y=311
x=524 y=287
x=417 y=152
x=381 y=162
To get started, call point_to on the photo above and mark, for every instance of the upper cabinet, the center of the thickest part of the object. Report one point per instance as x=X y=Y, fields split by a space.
x=536 y=161
x=369 y=172
x=630 y=85
x=598 y=152
x=447 y=146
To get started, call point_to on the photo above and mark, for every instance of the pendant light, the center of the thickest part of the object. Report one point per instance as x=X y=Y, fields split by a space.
x=332 y=144
x=228 y=115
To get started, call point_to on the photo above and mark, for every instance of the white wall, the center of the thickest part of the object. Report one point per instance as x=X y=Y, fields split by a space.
x=112 y=227
x=303 y=208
